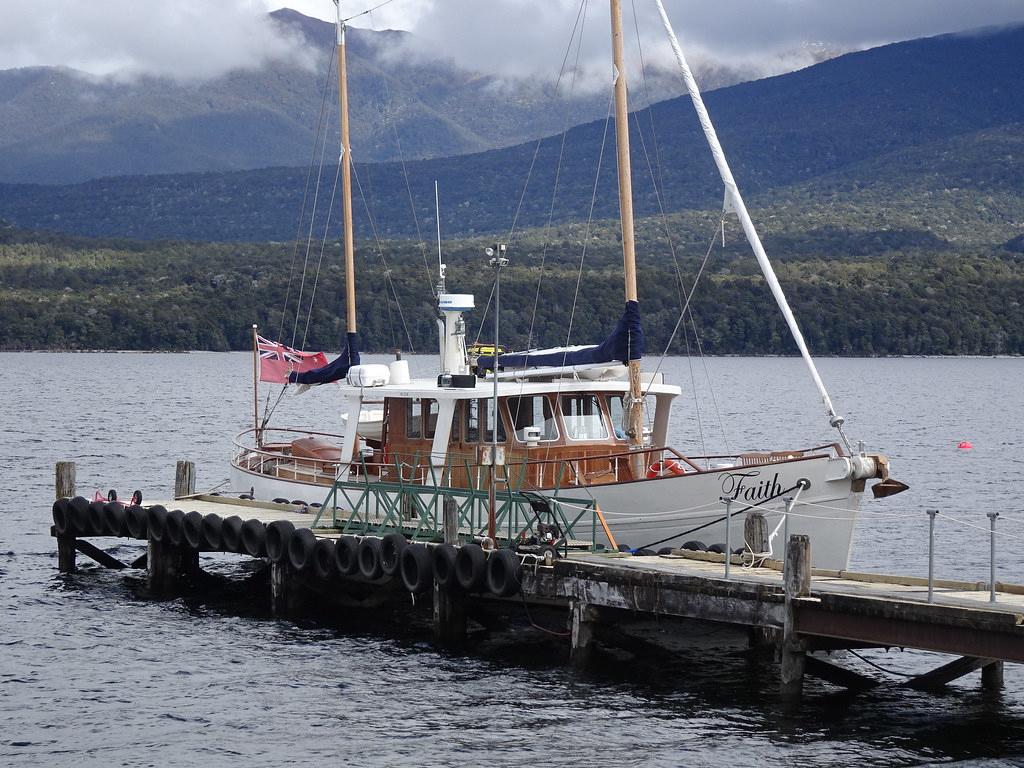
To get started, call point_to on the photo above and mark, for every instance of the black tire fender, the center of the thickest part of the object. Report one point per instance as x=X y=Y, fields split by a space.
x=504 y=573
x=137 y=522
x=231 y=534
x=391 y=547
x=174 y=530
x=369 y=558
x=323 y=559
x=416 y=568
x=300 y=549
x=471 y=567
x=254 y=538
x=212 y=526
x=193 y=529
x=346 y=555
x=279 y=533
x=444 y=566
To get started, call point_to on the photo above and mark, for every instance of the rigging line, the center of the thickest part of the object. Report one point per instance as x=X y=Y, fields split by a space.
x=707 y=376
x=305 y=191
x=309 y=238
x=558 y=170
x=270 y=411
x=383 y=259
x=658 y=182
x=364 y=13
x=483 y=317
x=696 y=401
x=405 y=175
x=682 y=315
x=581 y=13
x=586 y=230
x=320 y=261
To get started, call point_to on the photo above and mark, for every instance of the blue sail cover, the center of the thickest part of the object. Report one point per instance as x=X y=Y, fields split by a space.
x=334 y=370
x=625 y=343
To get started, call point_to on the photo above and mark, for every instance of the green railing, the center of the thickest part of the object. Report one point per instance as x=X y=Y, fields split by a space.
x=370 y=506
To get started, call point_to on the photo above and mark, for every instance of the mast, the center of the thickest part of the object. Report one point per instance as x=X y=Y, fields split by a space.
x=733 y=197
x=346 y=180
x=635 y=410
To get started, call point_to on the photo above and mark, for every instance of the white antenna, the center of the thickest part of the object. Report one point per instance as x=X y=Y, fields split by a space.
x=437 y=216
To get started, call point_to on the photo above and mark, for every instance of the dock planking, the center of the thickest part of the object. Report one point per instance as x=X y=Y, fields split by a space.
x=812 y=610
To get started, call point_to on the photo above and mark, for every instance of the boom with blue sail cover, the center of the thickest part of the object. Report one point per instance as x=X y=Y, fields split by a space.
x=625 y=343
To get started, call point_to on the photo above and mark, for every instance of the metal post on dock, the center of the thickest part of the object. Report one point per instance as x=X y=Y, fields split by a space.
x=992 y=556
x=931 y=553
x=728 y=519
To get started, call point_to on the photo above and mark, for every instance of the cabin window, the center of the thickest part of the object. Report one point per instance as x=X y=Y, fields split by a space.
x=581 y=415
x=420 y=417
x=477 y=422
x=617 y=412
x=532 y=414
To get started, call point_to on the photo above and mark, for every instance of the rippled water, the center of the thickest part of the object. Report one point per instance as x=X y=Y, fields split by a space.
x=95 y=671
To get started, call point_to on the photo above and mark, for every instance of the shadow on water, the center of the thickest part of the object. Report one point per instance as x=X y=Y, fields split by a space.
x=669 y=671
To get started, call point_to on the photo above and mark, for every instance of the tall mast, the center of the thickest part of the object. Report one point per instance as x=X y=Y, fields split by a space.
x=635 y=411
x=346 y=179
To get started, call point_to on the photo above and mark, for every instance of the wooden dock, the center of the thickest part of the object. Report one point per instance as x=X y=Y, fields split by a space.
x=796 y=610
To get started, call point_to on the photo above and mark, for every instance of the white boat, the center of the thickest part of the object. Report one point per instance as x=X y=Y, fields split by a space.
x=570 y=425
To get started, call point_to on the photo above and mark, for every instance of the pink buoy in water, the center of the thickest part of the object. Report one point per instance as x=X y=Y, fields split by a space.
x=965 y=445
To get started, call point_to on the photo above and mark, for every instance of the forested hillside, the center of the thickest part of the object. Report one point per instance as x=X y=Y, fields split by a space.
x=58 y=292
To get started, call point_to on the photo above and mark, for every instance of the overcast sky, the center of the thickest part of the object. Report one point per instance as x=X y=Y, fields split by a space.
x=192 y=39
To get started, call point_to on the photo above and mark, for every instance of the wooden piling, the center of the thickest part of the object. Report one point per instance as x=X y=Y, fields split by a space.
x=283 y=589
x=66 y=549
x=64 y=485
x=793 y=650
x=582 y=619
x=450 y=606
x=992 y=676
x=166 y=564
x=65 y=479
x=184 y=479
x=755 y=536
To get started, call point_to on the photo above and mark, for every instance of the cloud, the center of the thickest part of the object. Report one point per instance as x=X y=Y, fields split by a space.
x=183 y=39
x=517 y=38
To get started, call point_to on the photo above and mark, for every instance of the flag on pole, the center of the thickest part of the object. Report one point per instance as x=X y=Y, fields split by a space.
x=278 y=360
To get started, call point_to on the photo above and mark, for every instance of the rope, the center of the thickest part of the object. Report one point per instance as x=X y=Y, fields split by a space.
x=380 y=251
x=309 y=240
x=879 y=666
x=305 y=192
x=320 y=261
x=558 y=174
x=405 y=172
x=537 y=626
x=363 y=13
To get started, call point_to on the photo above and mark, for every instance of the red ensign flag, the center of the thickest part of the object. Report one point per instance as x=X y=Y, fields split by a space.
x=277 y=360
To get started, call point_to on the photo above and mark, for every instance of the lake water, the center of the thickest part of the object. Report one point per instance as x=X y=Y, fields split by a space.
x=93 y=671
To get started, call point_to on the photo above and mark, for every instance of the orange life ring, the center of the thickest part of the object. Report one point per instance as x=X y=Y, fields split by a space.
x=665 y=467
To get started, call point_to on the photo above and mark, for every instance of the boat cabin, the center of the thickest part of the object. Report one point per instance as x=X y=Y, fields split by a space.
x=549 y=434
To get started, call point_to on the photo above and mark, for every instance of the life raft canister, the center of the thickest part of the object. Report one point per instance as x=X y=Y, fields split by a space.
x=665 y=467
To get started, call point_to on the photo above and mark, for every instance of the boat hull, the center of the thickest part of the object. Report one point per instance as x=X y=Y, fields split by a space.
x=673 y=510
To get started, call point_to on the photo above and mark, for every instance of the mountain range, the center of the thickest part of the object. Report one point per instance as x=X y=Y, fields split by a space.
x=921 y=128
x=58 y=125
